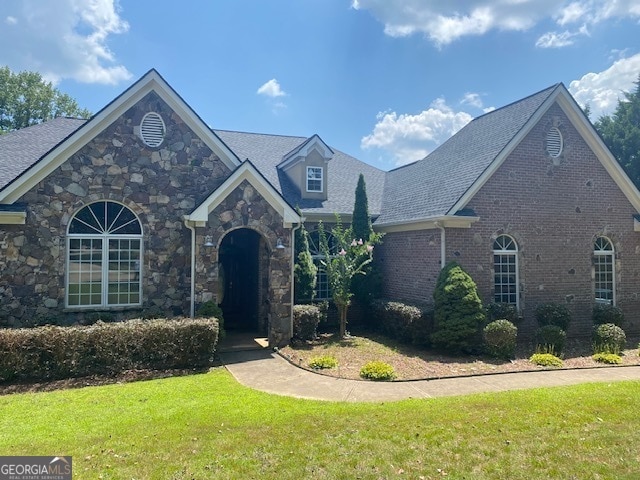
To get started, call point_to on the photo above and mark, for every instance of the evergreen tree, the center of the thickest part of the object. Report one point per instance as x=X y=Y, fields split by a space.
x=621 y=133
x=361 y=221
x=305 y=271
x=26 y=99
x=458 y=310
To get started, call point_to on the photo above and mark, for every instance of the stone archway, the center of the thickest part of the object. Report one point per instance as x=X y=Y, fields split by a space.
x=242 y=288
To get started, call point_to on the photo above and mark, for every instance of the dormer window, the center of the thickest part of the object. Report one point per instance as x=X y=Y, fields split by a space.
x=314 y=179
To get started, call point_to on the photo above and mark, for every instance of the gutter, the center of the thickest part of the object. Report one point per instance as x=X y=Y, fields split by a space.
x=193 y=267
x=443 y=244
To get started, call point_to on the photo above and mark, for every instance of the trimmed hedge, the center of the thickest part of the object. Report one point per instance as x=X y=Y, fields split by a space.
x=305 y=321
x=404 y=322
x=553 y=314
x=51 y=352
x=603 y=314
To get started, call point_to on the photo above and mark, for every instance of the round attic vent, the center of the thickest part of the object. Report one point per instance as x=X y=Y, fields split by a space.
x=152 y=129
x=554 y=142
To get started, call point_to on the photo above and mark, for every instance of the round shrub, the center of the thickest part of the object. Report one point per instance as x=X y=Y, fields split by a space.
x=500 y=338
x=379 y=371
x=323 y=361
x=609 y=338
x=607 y=314
x=608 y=358
x=551 y=338
x=305 y=321
x=506 y=311
x=553 y=314
x=545 y=360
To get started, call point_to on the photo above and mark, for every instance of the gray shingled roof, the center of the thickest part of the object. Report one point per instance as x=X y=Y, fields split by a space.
x=22 y=148
x=432 y=186
x=267 y=151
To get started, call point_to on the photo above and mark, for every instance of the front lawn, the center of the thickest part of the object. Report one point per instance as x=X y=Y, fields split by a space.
x=208 y=426
x=412 y=363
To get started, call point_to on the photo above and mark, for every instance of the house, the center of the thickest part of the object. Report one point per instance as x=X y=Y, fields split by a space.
x=145 y=207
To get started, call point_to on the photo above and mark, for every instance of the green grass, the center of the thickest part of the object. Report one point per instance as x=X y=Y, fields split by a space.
x=208 y=426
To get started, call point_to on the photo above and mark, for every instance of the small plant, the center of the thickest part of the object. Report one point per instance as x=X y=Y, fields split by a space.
x=545 y=360
x=609 y=338
x=322 y=362
x=608 y=358
x=379 y=371
x=553 y=314
x=551 y=337
x=500 y=338
x=211 y=309
x=607 y=314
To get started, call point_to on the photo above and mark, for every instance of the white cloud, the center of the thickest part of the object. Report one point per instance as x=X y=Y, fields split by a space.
x=410 y=137
x=472 y=99
x=63 y=39
x=271 y=89
x=601 y=90
x=445 y=22
x=555 y=40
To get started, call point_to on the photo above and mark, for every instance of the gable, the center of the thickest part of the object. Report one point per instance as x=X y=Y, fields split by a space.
x=245 y=173
x=150 y=82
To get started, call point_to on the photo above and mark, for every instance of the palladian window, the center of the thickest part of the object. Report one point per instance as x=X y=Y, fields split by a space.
x=604 y=271
x=505 y=267
x=104 y=252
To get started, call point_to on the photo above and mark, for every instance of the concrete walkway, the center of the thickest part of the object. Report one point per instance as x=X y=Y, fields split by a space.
x=268 y=372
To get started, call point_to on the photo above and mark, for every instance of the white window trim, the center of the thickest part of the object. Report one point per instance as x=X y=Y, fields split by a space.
x=514 y=253
x=105 y=237
x=612 y=254
x=315 y=179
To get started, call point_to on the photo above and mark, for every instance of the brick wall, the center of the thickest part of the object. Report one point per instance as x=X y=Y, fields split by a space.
x=554 y=210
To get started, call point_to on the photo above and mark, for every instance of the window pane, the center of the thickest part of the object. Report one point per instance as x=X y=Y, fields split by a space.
x=505 y=282
x=85 y=272
x=124 y=272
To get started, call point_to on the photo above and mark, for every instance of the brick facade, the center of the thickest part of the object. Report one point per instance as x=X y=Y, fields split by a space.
x=554 y=209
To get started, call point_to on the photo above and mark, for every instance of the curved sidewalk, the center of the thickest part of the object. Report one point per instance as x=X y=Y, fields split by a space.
x=268 y=372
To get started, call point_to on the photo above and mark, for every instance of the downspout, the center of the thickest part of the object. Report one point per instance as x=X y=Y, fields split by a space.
x=193 y=267
x=443 y=245
x=293 y=263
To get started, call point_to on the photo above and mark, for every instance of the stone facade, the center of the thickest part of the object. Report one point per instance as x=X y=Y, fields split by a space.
x=554 y=209
x=244 y=207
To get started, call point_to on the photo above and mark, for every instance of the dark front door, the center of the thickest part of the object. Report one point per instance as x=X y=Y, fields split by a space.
x=239 y=276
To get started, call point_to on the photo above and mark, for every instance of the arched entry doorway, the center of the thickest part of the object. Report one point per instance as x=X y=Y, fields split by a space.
x=240 y=272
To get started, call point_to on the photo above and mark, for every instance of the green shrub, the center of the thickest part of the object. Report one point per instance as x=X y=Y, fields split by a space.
x=602 y=314
x=458 y=310
x=500 y=338
x=305 y=321
x=609 y=338
x=211 y=309
x=50 y=353
x=609 y=358
x=551 y=337
x=545 y=360
x=553 y=314
x=405 y=322
x=379 y=371
x=500 y=311
x=323 y=361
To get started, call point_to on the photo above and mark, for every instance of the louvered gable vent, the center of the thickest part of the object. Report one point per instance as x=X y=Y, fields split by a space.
x=152 y=129
x=554 y=142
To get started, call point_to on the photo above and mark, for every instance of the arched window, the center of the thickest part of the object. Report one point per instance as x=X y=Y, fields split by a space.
x=104 y=251
x=505 y=266
x=604 y=266
x=323 y=290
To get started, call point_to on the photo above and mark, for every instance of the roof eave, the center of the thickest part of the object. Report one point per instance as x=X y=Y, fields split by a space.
x=428 y=223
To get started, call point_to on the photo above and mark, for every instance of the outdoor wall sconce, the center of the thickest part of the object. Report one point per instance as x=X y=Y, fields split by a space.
x=208 y=242
x=279 y=244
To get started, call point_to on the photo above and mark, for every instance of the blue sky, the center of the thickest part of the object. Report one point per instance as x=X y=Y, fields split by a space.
x=383 y=80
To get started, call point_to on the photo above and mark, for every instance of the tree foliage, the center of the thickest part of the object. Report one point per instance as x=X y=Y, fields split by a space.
x=305 y=270
x=350 y=260
x=458 y=310
x=361 y=221
x=27 y=99
x=621 y=133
